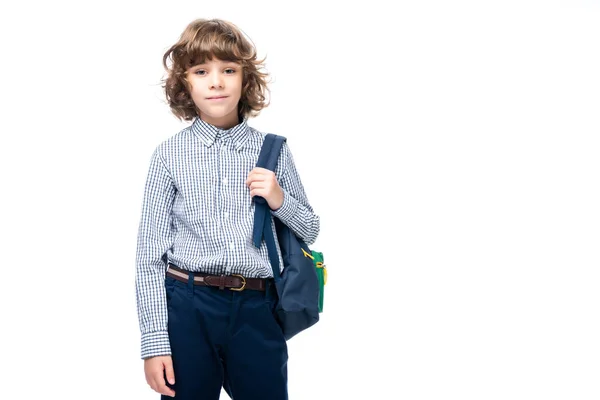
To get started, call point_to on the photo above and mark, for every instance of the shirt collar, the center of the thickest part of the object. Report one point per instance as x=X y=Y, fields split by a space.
x=209 y=133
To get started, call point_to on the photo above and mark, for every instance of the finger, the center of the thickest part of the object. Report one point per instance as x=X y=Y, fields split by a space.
x=261 y=172
x=254 y=176
x=167 y=391
x=257 y=185
x=152 y=383
x=148 y=378
x=264 y=173
x=169 y=371
x=160 y=386
x=258 y=192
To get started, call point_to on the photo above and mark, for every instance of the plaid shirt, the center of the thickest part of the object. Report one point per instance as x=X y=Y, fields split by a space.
x=198 y=214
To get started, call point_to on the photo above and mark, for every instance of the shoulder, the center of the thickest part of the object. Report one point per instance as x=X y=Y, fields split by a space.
x=257 y=138
x=285 y=159
x=260 y=135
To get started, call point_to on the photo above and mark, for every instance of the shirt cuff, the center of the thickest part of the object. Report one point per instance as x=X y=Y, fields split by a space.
x=155 y=344
x=287 y=209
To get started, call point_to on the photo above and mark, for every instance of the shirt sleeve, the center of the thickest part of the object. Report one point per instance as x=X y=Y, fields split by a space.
x=155 y=237
x=295 y=211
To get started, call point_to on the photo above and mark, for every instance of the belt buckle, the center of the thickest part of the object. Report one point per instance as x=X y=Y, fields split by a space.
x=243 y=283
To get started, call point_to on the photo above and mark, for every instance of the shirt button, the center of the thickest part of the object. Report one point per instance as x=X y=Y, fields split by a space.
x=231 y=246
x=226 y=214
x=225 y=181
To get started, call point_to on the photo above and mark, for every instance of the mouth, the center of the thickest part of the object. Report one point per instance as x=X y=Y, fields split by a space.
x=216 y=98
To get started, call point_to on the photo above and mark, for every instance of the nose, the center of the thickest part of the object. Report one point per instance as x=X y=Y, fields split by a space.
x=216 y=81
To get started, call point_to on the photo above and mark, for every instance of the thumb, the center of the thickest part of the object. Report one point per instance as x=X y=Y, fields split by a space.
x=169 y=371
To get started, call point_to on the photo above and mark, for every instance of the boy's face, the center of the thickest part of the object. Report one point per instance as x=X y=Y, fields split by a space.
x=216 y=88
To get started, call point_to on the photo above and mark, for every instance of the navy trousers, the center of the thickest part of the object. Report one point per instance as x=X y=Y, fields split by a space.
x=223 y=338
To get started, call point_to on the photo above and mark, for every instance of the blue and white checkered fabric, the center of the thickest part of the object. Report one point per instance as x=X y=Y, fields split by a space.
x=198 y=214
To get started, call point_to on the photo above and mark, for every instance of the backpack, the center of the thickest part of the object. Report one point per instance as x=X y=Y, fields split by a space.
x=300 y=286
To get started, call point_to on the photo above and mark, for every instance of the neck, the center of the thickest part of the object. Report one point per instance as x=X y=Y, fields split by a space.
x=224 y=123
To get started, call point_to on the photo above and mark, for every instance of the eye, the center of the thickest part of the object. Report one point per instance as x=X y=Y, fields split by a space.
x=200 y=72
x=230 y=71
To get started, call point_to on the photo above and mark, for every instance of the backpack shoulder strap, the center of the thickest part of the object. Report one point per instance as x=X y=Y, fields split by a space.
x=269 y=154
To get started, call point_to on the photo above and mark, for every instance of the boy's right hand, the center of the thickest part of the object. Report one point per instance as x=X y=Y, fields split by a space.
x=155 y=369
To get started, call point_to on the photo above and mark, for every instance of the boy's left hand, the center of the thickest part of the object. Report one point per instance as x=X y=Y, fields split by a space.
x=262 y=182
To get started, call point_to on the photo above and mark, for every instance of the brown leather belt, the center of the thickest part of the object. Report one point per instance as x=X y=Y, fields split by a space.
x=231 y=282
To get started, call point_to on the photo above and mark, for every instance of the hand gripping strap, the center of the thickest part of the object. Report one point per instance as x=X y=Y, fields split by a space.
x=269 y=153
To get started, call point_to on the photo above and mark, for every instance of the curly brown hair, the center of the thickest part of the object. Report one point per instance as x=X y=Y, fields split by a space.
x=204 y=39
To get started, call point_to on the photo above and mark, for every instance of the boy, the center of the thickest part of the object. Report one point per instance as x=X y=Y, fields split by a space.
x=204 y=294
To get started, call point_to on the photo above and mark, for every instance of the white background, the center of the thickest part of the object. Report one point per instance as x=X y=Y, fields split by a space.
x=450 y=148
